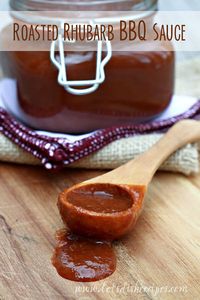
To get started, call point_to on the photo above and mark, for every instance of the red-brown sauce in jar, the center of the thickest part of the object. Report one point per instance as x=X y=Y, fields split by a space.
x=138 y=87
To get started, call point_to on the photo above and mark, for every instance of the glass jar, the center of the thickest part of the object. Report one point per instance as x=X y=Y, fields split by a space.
x=138 y=86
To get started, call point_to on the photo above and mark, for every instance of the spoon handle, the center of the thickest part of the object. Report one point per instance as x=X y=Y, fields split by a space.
x=146 y=164
x=140 y=170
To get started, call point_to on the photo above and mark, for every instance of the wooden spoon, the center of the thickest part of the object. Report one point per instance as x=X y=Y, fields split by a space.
x=108 y=206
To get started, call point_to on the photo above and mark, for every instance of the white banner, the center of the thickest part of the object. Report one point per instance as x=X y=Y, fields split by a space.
x=86 y=31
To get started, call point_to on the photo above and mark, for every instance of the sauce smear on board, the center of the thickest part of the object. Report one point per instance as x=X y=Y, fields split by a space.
x=79 y=259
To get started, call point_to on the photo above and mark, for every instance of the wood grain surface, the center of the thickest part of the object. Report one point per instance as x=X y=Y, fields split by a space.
x=160 y=259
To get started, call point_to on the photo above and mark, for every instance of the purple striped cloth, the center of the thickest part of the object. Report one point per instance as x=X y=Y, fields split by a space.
x=57 y=152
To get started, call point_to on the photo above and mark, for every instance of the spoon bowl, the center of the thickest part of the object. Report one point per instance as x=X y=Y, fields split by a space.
x=90 y=211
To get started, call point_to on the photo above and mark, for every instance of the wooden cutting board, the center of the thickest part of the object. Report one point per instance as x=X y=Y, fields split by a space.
x=160 y=258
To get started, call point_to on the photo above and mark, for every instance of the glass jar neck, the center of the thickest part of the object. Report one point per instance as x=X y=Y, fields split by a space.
x=81 y=5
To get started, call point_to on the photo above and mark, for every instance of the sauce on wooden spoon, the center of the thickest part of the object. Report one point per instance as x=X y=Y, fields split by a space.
x=98 y=199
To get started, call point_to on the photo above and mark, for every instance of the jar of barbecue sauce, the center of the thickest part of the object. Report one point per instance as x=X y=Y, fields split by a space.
x=131 y=87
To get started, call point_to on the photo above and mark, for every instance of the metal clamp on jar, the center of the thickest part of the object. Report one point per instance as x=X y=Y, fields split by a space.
x=60 y=62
